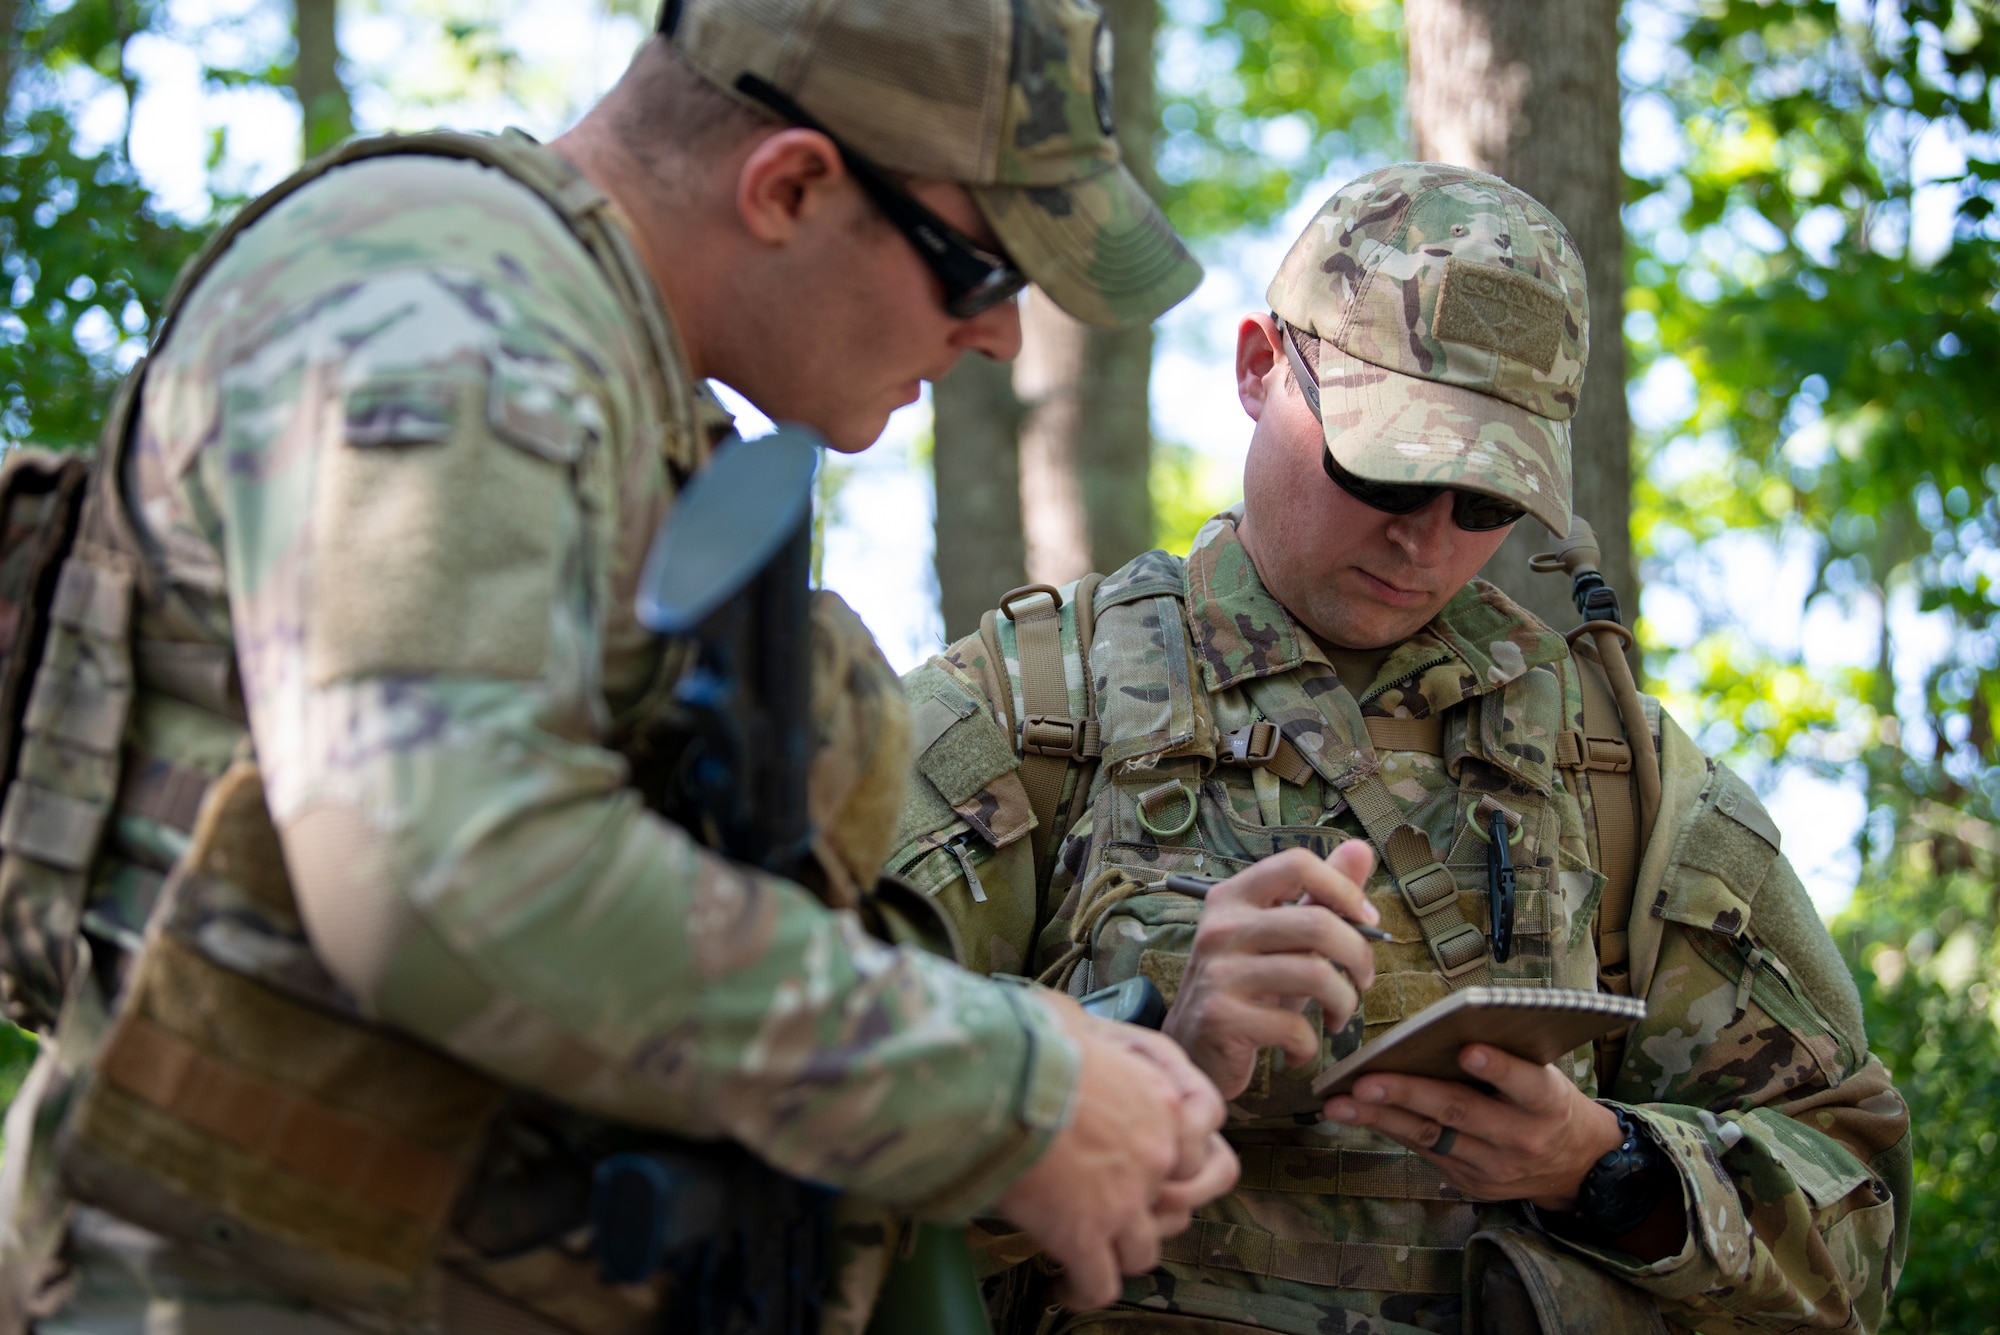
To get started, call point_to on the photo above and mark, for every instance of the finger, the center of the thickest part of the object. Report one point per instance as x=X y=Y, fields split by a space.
x=1201 y=1107
x=1174 y=1207
x=1239 y=1024
x=1354 y=859
x=1268 y=982
x=1532 y=1087
x=1289 y=928
x=1137 y=1247
x=1281 y=879
x=1411 y=1130
x=1216 y=1176
x=1447 y=1102
x=1090 y=1276
x=1329 y=882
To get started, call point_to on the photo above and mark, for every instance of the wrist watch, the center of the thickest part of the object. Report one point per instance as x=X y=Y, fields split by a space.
x=1623 y=1186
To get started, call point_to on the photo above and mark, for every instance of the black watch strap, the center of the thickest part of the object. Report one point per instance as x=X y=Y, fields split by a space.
x=1623 y=1186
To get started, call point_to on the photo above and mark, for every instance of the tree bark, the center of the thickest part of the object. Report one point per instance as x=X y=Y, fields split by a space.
x=976 y=456
x=1528 y=90
x=1073 y=431
x=325 y=115
x=10 y=38
x=1087 y=440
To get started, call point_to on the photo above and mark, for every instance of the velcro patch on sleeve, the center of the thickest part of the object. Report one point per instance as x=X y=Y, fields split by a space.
x=438 y=537
x=1502 y=309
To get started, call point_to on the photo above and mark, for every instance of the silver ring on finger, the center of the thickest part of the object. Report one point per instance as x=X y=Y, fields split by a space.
x=1447 y=1137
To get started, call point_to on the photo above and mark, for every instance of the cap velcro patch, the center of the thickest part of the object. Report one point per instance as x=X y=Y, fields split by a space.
x=1492 y=307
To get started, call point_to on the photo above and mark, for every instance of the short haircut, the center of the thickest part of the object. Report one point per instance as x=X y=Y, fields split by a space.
x=1308 y=345
x=661 y=104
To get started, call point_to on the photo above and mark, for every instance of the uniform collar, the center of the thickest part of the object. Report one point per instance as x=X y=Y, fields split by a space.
x=1480 y=641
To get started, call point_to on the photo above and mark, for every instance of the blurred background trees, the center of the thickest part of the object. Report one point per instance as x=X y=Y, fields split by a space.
x=1809 y=269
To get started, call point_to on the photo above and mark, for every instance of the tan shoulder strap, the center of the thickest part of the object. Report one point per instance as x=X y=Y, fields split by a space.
x=1459 y=949
x=1052 y=742
x=1604 y=758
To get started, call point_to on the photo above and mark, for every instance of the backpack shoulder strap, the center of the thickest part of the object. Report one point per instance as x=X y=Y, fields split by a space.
x=1053 y=742
x=1603 y=755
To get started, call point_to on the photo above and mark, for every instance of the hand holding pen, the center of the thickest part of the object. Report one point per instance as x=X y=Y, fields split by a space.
x=1199 y=886
x=1273 y=938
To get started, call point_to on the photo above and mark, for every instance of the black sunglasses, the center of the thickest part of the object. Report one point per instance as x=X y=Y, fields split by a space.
x=974 y=278
x=1470 y=510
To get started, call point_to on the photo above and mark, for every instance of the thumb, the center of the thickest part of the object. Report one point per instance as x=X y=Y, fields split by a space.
x=1354 y=859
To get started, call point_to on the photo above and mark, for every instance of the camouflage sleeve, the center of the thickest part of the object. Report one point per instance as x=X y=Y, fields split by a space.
x=415 y=461
x=1752 y=1071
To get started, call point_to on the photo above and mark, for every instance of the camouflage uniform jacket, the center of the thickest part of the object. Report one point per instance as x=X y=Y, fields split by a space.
x=1750 y=1070
x=398 y=465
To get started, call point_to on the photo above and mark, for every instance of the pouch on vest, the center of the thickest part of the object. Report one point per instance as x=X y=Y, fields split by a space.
x=1519 y=1281
x=252 y=1114
x=966 y=823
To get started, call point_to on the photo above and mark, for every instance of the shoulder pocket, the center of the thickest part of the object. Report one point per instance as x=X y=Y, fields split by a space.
x=1721 y=860
x=969 y=770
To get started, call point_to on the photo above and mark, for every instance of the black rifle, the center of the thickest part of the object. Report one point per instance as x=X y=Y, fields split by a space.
x=728 y=576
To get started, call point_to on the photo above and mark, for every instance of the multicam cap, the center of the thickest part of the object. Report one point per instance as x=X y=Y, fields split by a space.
x=1012 y=98
x=1453 y=330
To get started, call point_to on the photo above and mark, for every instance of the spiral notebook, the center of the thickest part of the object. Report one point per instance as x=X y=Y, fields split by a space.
x=1537 y=1024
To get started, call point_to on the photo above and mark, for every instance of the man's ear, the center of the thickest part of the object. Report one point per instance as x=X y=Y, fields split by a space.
x=1258 y=356
x=787 y=177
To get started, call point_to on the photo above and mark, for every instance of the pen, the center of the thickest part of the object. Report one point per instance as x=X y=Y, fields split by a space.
x=1198 y=886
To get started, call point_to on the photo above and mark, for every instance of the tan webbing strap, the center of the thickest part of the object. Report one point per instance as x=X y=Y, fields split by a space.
x=163 y=791
x=1260 y=745
x=1084 y=604
x=1049 y=739
x=1369 y=1266
x=1612 y=804
x=1457 y=947
x=1383 y=1174
x=259 y=1115
x=1422 y=735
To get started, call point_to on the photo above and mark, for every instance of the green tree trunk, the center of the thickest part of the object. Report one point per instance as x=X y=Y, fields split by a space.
x=1074 y=426
x=9 y=39
x=326 y=115
x=977 y=461
x=1528 y=90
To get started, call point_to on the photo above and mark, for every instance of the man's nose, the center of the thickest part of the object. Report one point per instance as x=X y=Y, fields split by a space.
x=995 y=331
x=1426 y=534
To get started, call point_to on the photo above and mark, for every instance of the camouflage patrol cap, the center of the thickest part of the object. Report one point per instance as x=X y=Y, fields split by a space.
x=1453 y=332
x=1011 y=98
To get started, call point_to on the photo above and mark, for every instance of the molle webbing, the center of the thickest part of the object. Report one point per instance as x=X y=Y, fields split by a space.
x=263 y=1118
x=1261 y=746
x=1365 y=1266
x=1311 y=1170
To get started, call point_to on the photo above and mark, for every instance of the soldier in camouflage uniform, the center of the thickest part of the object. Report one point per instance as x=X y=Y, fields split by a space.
x=387 y=481
x=1321 y=688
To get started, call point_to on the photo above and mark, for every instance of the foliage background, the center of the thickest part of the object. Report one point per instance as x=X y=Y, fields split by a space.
x=1813 y=345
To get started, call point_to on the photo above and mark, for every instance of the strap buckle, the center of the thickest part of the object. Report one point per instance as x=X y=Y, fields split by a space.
x=1595 y=755
x=1012 y=596
x=1459 y=951
x=1252 y=746
x=1428 y=889
x=1055 y=735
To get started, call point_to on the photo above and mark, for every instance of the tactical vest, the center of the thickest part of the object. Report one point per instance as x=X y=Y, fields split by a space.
x=210 y=1081
x=1183 y=766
